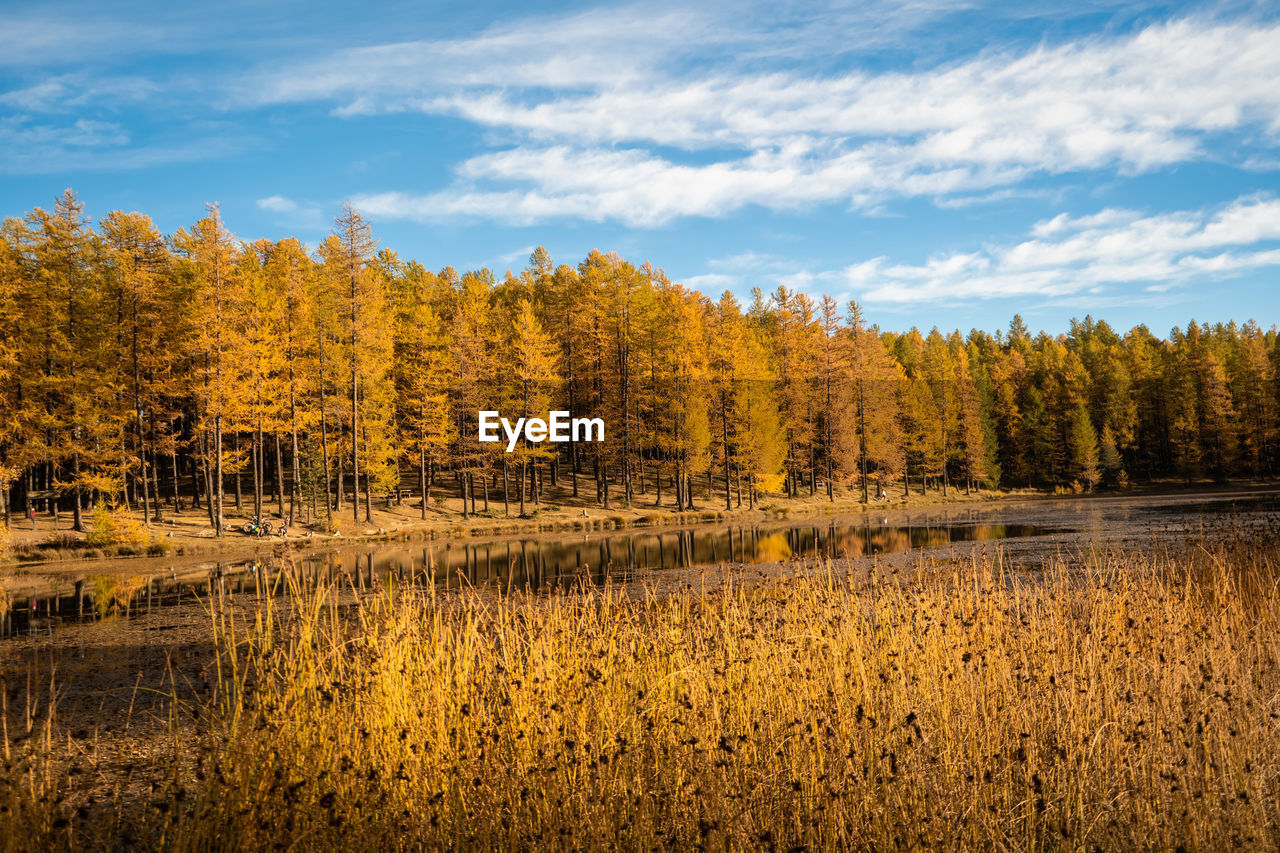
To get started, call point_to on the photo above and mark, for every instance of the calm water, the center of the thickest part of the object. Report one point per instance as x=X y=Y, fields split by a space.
x=548 y=560
x=536 y=562
x=541 y=560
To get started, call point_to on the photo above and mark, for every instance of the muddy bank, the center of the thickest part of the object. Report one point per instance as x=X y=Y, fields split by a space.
x=187 y=535
x=43 y=598
x=1101 y=518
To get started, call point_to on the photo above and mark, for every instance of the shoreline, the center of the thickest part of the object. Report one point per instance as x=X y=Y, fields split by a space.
x=189 y=537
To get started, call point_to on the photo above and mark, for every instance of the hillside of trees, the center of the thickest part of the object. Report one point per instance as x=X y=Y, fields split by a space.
x=179 y=372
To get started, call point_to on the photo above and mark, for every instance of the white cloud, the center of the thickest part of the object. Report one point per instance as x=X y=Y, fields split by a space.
x=70 y=91
x=642 y=114
x=958 y=202
x=588 y=108
x=42 y=147
x=304 y=215
x=625 y=47
x=39 y=37
x=571 y=51
x=642 y=189
x=750 y=260
x=278 y=204
x=712 y=284
x=21 y=135
x=1109 y=257
x=1067 y=256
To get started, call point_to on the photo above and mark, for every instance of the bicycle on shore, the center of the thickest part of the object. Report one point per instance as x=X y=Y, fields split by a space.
x=257 y=526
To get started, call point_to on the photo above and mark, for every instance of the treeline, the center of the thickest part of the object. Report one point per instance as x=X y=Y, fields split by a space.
x=185 y=371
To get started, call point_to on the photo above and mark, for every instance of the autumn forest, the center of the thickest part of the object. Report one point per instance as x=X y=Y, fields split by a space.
x=182 y=372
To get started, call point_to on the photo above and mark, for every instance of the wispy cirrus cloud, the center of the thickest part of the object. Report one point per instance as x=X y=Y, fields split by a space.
x=643 y=137
x=41 y=147
x=1138 y=100
x=81 y=133
x=643 y=115
x=64 y=92
x=305 y=215
x=624 y=47
x=44 y=38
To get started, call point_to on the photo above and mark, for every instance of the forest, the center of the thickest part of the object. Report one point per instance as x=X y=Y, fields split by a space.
x=180 y=372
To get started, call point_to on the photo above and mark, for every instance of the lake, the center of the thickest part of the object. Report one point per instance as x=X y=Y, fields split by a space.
x=44 y=597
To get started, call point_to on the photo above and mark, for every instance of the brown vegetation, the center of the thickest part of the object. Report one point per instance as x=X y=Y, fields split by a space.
x=1119 y=700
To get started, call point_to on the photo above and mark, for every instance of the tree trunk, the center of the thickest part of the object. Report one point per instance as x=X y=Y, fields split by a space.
x=210 y=498
x=219 y=514
x=355 y=453
x=259 y=468
x=77 y=515
x=813 y=473
x=422 y=480
x=312 y=507
x=506 y=489
x=177 y=501
x=279 y=477
x=324 y=441
x=355 y=406
x=235 y=448
x=142 y=463
x=862 y=435
x=158 y=514
x=196 y=468
x=431 y=479
x=341 y=484
x=294 y=463
x=368 y=499
x=137 y=414
x=573 y=466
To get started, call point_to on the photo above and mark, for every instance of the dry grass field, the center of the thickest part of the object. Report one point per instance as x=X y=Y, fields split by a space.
x=1106 y=701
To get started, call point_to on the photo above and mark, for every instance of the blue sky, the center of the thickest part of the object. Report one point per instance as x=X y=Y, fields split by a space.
x=945 y=163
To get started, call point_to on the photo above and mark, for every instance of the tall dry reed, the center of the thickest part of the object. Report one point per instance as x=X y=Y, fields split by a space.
x=1126 y=700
